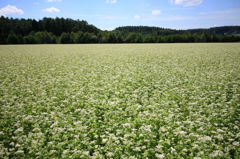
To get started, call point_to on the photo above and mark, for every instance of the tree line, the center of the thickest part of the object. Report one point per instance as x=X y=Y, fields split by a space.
x=68 y=31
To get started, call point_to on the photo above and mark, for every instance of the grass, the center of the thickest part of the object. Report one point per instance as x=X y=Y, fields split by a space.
x=120 y=101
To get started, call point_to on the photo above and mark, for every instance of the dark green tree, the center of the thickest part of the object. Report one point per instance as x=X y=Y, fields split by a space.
x=12 y=39
x=65 y=38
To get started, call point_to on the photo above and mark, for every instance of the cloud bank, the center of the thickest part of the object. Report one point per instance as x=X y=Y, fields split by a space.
x=9 y=10
x=156 y=12
x=54 y=0
x=187 y=3
x=111 y=1
x=137 y=17
x=51 y=10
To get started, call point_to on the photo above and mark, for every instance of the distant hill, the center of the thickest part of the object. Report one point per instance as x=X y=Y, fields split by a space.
x=69 y=31
x=146 y=30
x=224 y=30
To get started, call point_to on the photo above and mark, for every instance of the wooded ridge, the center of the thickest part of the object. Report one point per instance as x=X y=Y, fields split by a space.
x=67 y=31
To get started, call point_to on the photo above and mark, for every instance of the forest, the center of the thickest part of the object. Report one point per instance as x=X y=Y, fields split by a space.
x=69 y=31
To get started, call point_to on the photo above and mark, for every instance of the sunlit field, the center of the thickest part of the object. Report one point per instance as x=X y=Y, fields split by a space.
x=120 y=101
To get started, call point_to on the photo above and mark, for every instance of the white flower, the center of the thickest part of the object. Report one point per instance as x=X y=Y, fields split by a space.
x=173 y=150
x=160 y=156
x=126 y=125
x=216 y=153
x=104 y=140
x=52 y=151
x=137 y=149
x=110 y=154
x=159 y=146
x=19 y=152
x=85 y=153
x=235 y=143
x=19 y=130
x=205 y=139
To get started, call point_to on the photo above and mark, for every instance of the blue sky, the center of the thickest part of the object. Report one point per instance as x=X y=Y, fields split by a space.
x=109 y=14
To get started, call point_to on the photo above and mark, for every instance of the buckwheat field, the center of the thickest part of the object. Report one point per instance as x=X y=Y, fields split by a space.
x=120 y=101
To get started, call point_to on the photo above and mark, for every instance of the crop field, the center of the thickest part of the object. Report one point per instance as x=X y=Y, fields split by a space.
x=120 y=101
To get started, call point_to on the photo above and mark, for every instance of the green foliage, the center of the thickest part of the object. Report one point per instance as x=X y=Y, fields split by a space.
x=112 y=38
x=12 y=39
x=60 y=30
x=44 y=37
x=30 y=39
x=65 y=38
x=120 y=101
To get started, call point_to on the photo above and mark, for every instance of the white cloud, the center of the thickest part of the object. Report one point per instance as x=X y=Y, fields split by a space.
x=156 y=12
x=54 y=0
x=175 y=18
x=51 y=10
x=111 y=1
x=231 y=12
x=187 y=3
x=9 y=9
x=137 y=17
